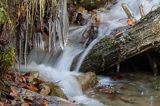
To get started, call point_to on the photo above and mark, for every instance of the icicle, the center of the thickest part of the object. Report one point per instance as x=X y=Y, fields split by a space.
x=42 y=10
x=36 y=6
x=26 y=36
x=35 y=40
x=40 y=6
x=65 y=24
x=54 y=35
x=50 y=34
x=38 y=39
x=20 y=46
x=62 y=24
x=41 y=43
x=118 y=68
x=32 y=16
x=54 y=3
x=59 y=33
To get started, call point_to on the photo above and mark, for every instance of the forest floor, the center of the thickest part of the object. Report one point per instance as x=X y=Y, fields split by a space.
x=26 y=89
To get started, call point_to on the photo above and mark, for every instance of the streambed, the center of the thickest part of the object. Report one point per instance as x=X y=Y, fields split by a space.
x=127 y=89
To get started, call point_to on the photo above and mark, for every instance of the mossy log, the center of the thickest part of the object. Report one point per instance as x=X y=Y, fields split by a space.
x=130 y=41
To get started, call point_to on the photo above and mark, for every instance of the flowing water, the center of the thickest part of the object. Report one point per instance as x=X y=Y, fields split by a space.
x=55 y=65
x=127 y=89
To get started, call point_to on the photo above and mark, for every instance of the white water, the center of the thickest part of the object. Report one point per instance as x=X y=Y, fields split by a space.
x=59 y=70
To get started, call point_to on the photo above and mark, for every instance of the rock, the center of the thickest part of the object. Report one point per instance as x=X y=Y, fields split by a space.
x=50 y=100
x=56 y=91
x=45 y=90
x=50 y=89
x=87 y=80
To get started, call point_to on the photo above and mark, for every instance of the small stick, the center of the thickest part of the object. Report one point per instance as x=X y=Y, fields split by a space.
x=131 y=21
x=141 y=10
x=127 y=10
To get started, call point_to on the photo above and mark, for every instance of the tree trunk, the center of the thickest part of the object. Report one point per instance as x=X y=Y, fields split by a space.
x=130 y=41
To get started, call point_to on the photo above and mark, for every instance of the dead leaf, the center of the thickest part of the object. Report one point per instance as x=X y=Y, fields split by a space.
x=131 y=22
x=32 y=88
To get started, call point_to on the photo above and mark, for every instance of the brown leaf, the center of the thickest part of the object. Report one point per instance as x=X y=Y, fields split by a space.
x=32 y=88
x=131 y=22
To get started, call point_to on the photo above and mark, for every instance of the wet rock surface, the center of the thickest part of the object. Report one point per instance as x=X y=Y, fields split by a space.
x=87 y=80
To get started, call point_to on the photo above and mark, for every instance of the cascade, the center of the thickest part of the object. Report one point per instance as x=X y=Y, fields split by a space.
x=65 y=43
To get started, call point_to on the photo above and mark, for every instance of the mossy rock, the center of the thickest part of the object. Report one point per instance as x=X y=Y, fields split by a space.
x=3 y=16
x=6 y=59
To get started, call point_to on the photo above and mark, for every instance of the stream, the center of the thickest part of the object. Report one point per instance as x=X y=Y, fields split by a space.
x=55 y=65
x=126 y=89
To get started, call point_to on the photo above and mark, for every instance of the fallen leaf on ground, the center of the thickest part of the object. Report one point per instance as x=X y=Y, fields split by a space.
x=32 y=88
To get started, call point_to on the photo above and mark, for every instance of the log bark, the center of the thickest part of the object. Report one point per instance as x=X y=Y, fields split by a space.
x=130 y=41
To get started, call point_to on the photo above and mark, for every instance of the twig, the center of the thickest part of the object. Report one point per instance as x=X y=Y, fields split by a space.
x=127 y=10
x=141 y=9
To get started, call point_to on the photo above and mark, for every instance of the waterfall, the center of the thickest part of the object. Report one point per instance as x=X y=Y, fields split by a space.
x=66 y=43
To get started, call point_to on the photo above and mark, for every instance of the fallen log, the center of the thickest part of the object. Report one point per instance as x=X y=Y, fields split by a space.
x=125 y=43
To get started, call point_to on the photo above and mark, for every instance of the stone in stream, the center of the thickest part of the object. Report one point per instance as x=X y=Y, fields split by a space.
x=50 y=89
x=87 y=80
x=45 y=88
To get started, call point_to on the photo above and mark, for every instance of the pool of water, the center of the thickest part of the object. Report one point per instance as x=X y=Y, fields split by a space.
x=127 y=89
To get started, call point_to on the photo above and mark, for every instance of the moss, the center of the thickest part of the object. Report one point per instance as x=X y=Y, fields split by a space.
x=7 y=59
x=3 y=16
x=156 y=84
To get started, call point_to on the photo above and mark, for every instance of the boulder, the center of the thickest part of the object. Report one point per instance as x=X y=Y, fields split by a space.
x=87 y=80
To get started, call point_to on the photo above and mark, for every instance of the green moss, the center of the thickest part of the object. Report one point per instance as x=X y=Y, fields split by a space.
x=156 y=84
x=7 y=59
x=3 y=16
